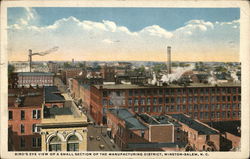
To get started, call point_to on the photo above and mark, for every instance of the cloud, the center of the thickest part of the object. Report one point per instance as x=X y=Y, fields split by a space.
x=108 y=41
x=85 y=38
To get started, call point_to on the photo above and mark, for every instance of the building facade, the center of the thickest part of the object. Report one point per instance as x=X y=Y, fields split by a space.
x=200 y=101
x=24 y=112
x=58 y=135
x=27 y=79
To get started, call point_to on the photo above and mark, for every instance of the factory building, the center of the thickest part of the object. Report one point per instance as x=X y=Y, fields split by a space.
x=27 y=79
x=200 y=101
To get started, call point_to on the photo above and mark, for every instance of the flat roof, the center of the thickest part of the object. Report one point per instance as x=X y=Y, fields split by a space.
x=35 y=74
x=148 y=119
x=165 y=120
x=201 y=128
x=129 y=118
x=53 y=111
x=133 y=86
x=52 y=94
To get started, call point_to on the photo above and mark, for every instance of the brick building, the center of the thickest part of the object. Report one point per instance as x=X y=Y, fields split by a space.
x=40 y=79
x=53 y=97
x=174 y=132
x=129 y=130
x=73 y=72
x=24 y=107
x=53 y=67
x=108 y=73
x=200 y=101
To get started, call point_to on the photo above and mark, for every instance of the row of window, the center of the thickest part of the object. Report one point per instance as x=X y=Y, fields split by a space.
x=41 y=81
x=178 y=100
x=159 y=100
x=184 y=91
x=216 y=115
x=72 y=144
x=173 y=108
x=173 y=91
x=36 y=114
x=35 y=129
x=36 y=142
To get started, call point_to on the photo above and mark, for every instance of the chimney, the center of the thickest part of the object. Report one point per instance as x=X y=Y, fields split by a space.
x=169 y=59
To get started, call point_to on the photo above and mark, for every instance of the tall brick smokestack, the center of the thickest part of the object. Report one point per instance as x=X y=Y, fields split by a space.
x=169 y=59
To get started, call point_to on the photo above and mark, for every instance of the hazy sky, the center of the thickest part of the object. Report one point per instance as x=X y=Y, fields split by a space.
x=142 y=34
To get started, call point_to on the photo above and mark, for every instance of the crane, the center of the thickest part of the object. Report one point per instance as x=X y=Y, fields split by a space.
x=40 y=54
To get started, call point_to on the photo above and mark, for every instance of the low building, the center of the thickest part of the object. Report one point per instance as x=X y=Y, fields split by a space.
x=53 y=97
x=63 y=128
x=27 y=79
x=141 y=132
x=201 y=137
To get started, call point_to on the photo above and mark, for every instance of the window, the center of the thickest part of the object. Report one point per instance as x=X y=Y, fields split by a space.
x=160 y=108
x=218 y=115
x=73 y=143
x=148 y=108
x=10 y=115
x=201 y=115
x=172 y=108
x=35 y=129
x=22 y=129
x=166 y=100
x=36 y=142
x=155 y=101
x=22 y=114
x=184 y=108
x=130 y=102
x=55 y=144
x=160 y=100
x=167 y=108
x=154 y=109
x=148 y=101
x=190 y=107
x=178 y=108
x=228 y=114
x=142 y=133
x=142 y=109
x=22 y=142
x=136 y=109
x=142 y=101
x=36 y=114
x=136 y=101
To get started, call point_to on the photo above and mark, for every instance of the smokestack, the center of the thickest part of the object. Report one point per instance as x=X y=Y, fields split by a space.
x=30 y=58
x=169 y=59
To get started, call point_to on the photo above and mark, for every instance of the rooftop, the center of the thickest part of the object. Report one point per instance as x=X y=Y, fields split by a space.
x=155 y=145
x=52 y=94
x=25 y=97
x=129 y=118
x=133 y=86
x=35 y=74
x=198 y=126
x=52 y=112
x=165 y=120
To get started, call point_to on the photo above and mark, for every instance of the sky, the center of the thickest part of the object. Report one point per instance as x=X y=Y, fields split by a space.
x=138 y=34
